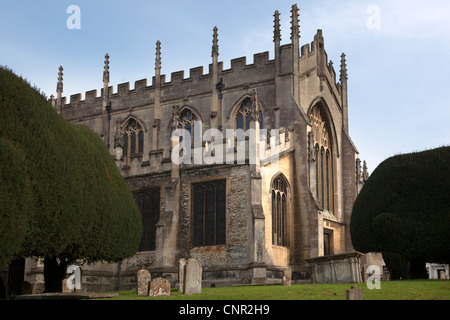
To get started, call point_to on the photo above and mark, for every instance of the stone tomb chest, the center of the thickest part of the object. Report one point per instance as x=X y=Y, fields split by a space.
x=340 y=268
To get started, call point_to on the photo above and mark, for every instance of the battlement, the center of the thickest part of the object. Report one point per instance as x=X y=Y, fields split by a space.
x=311 y=57
x=239 y=73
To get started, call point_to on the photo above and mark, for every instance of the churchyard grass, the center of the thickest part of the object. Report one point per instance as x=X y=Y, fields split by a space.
x=390 y=290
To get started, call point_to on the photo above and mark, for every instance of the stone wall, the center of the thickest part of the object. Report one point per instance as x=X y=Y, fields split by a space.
x=219 y=261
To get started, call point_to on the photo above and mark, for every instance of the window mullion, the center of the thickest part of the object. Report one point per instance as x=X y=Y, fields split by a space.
x=215 y=215
x=204 y=218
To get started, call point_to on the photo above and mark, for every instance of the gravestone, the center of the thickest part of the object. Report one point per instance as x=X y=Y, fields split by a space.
x=355 y=293
x=287 y=277
x=192 y=277
x=181 y=266
x=143 y=282
x=159 y=287
x=65 y=287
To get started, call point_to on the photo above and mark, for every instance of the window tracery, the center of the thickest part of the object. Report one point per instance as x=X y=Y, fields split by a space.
x=186 y=121
x=133 y=140
x=279 y=211
x=245 y=114
x=323 y=158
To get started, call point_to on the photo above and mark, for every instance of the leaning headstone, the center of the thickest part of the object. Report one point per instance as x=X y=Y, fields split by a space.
x=287 y=277
x=355 y=293
x=65 y=287
x=192 y=277
x=181 y=274
x=143 y=282
x=159 y=287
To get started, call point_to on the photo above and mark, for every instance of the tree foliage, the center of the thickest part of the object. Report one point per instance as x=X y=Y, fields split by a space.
x=403 y=211
x=15 y=196
x=64 y=193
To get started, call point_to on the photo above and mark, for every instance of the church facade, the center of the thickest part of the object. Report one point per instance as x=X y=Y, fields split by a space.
x=280 y=196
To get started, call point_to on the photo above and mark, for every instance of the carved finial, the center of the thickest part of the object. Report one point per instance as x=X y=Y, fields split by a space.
x=106 y=69
x=59 y=86
x=358 y=170
x=215 y=47
x=175 y=118
x=277 y=29
x=365 y=171
x=311 y=147
x=295 y=28
x=344 y=75
x=158 y=55
x=255 y=106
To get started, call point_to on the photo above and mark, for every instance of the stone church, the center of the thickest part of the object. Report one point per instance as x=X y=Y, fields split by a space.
x=244 y=221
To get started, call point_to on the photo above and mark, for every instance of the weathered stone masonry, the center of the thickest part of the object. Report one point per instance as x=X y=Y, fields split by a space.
x=296 y=210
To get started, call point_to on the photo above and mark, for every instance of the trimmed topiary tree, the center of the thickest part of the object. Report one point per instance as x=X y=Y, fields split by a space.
x=81 y=209
x=15 y=201
x=403 y=211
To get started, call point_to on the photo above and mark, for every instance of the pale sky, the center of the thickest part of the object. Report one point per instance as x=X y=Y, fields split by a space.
x=398 y=53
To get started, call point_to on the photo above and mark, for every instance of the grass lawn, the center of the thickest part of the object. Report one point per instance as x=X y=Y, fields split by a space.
x=390 y=290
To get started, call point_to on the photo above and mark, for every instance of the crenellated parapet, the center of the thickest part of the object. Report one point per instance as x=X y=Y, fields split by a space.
x=290 y=62
x=180 y=86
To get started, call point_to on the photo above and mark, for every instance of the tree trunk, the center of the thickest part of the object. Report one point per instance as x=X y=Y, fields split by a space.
x=54 y=273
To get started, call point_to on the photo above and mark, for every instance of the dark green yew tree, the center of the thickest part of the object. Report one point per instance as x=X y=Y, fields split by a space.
x=15 y=197
x=64 y=194
x=403 y=211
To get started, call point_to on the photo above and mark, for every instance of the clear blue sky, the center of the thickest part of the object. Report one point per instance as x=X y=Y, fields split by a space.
x=399 y=64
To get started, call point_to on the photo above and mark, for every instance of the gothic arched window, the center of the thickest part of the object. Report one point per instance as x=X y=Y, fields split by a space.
x=279 y=211
x=244 y=116
x=323 y=158
x=186 y=121
x=133 y=140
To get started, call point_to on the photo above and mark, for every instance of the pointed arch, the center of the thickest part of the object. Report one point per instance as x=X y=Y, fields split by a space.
x=325 y=146
x=280 y=175
x=135 y=118
x=241 y=113
x=237 y=104
x=186 y=117
x=186 y=108
x=319 y=102
x=133 y=132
